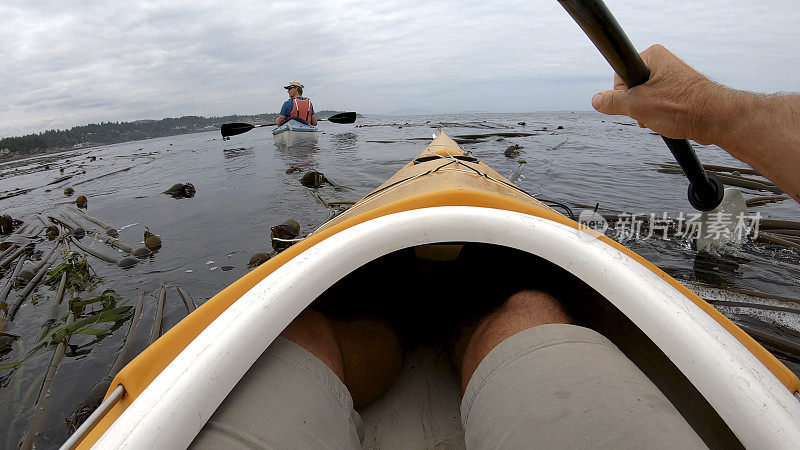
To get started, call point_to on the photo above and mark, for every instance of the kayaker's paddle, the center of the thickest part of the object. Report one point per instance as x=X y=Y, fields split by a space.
x=232 y=129
x=706 y=192
x=345 y=117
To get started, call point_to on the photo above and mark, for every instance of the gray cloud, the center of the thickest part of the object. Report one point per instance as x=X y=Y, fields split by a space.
x=65 y=64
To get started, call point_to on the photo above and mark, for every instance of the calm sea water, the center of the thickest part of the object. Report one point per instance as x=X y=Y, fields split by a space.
x=243 y=190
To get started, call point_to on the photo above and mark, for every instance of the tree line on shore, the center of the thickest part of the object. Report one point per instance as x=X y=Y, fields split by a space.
x=114 y=132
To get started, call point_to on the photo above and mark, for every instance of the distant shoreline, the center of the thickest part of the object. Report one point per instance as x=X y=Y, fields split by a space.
x=107 y=133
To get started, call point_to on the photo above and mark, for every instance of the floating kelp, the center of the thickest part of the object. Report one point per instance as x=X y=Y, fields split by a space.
x=501 y=134
x=79 y=277
x=313 y=179
x=69 y=191
x=7 y=224
x=760 y=201
x=512 y=151
x=769 y=238
x=142 y=252
x=770 y=224
x=158 y=322
x=37 y=422
x=258 y=259
x=52 y=314
x=107 y=258
x=40 y=269
x=12 y=280
x=14 y=254
x=81 y=201
x=127 y=262
x=558 y=146
x=98 y=391
x=88 y=325
x=289 y=229
x=733 y=180
x=23 y=278
x=180 y=190
x=151 y=241
x=106 y=175
x=716 y=168
x=187 y=300
x=111 y=231
x=52 y=232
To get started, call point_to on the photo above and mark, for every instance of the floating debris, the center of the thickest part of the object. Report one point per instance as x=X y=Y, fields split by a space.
x=522 y=123
x=293 y=170
x=560 y=127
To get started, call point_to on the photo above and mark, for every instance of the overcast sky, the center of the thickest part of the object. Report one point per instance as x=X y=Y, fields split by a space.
x=70 y=63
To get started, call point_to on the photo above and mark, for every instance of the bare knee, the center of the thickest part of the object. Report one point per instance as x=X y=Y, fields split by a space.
x=372 y=355
x=366 y=354
x=314 y=332
x=523 y=310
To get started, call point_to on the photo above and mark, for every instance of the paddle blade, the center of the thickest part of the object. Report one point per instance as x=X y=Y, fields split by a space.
x=345 y=117
x=232 y=129
x=719 y=225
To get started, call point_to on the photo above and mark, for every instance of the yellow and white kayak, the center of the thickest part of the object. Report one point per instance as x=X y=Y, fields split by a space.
x=441 y=207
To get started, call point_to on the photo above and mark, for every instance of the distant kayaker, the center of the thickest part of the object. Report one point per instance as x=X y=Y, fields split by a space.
x=680 y=102
x=297 y=107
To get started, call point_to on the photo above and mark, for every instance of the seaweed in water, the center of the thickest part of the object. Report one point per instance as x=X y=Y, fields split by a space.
x=79 y=277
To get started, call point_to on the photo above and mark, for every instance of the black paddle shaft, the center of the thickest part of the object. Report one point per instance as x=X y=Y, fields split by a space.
x=705 y=190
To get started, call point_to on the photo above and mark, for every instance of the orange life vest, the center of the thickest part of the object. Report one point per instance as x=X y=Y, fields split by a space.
x=301 y=110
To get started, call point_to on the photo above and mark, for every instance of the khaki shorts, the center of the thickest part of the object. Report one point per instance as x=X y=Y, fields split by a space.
x=288 y=399
x=564 y=386
x=551 y=386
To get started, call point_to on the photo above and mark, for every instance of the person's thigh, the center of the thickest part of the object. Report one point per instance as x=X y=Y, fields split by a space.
x=288 y=399
x=564 y=386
